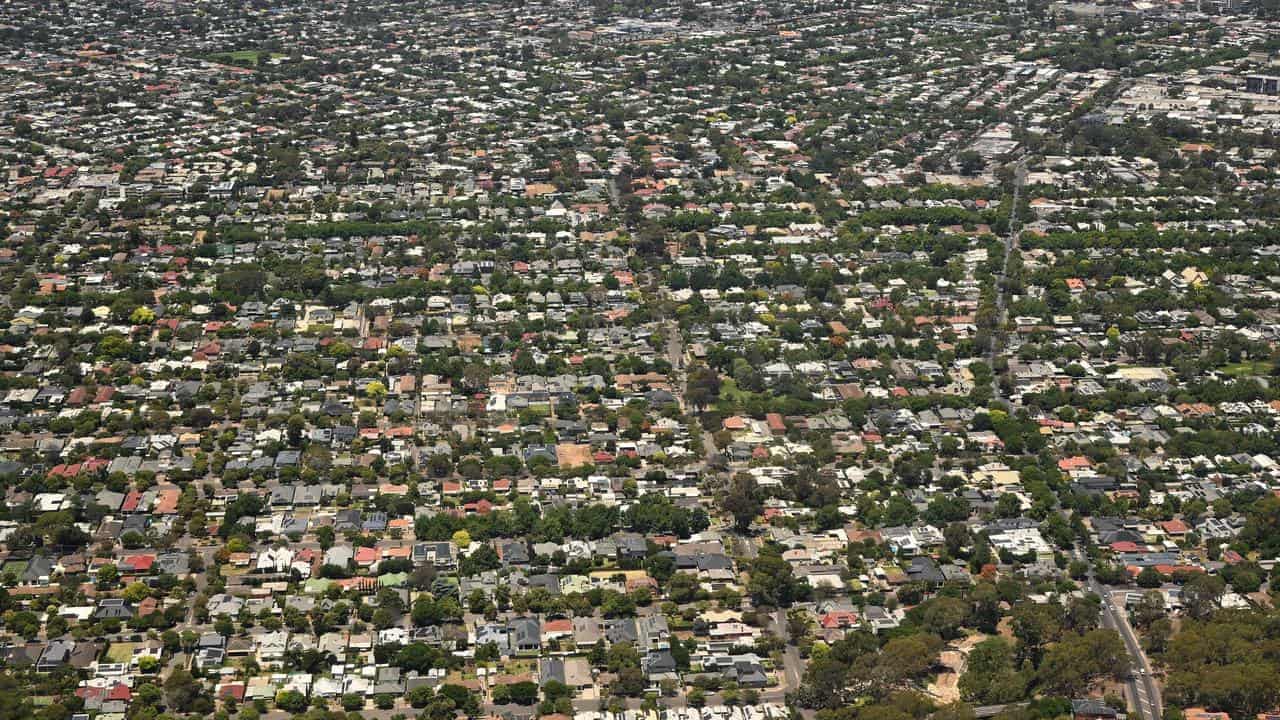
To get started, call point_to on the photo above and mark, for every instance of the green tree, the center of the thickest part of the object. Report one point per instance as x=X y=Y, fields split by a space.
x=990 y=677
x=1202 y=594
x=108 y=576
x=771 y=580
x=291 y=701
x=1074 y=663
x=742 y=501
x=181 y=690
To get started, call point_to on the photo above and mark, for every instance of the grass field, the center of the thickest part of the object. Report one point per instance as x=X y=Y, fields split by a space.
x=14 y=566
x=1247 y=368
x=121 y=652
x=242 y=57
x=732 y=394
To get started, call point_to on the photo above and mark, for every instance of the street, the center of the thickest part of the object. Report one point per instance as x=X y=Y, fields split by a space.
x=1010 y=247
x=1144 y=693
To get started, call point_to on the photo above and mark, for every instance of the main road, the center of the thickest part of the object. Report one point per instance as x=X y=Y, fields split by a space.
x=1144 y=693
x=1010 y=247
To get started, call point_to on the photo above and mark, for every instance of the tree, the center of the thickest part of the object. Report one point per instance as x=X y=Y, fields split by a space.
x=554 y=691
x=954 y=711
x=375 y=390
x=1202 y=594
x=621 y=655
x=24 y=623
x=742 y=501
x=771 y=582
x=325 y=535
x=945 y=509
x=108 y=576
x=241 y=282
x=417 y=656
x=475 y=376
x=488 y=653
x=827 y=677
x=1150 y=578
x=521 y=693
x=383 y=618
x=683 y=587
x=957 y=537
x=905 y=659
x=1035 y=626
x=291 y=701
x=703 y=386
x=181 y=690
x=1072 y=665
x=1159 y=633
x=990 y=677
x=942 y=616
x=295 y=427
x=481 y=559
x=696 y=698
x=1261 y=529
x=419 y=697
x=136 y=591
x=970 y=162
x=1222 y=662
x=142 y=316
x=1008 y=506
x=224 y=626
x=462 y=539
x=460 y=697
x=630 y=682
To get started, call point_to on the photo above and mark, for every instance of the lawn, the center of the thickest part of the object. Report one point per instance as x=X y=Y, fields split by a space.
x=242 y=57
x=121 y=652
x=459 y=676
x=1247 y=368
x=516 y=667
x=731 y=396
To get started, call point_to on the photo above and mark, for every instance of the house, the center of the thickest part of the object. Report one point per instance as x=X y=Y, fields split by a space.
x=879 y=619
x=749 y=674
x=925 y=570
x=38 y=571
x=838 y=620
x=492 y=634
x=272 y=646
x=659 y=665
x=652 y=632
x=556 y=629
x=571 y=670
x=113 y=608
x=621 y=630
x=629 y=545
x=526 y=634
x=437 y=554
x=587 y=631
x=56 y=654
x=512 y=552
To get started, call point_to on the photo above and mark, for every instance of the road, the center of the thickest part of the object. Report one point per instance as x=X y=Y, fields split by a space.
x=792 y=663
x=1010 y=246
x=1143 y=691
x=680 y=383
x=675 y=348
